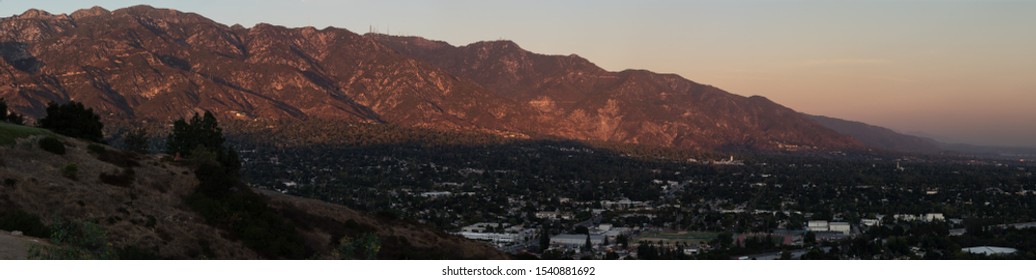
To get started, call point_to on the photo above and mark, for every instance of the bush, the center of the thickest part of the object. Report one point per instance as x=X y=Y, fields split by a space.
x=52 y=145
x=96 y=149
x=27 y=223
x=122 y=179
x=119 y=158
x=75 y=241
x=70 y=171
x=365 y=246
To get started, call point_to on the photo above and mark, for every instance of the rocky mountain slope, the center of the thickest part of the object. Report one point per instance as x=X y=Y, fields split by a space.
x=138 y=204
x=142 y=64
x=632 y=106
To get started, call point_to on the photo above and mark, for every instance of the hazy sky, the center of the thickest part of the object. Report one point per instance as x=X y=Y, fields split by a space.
x=958 y=70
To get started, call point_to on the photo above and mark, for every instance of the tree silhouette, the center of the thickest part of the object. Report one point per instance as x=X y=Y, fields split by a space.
x=544 y=239
x=202 y=131
x=589 y=246
x=10 y=117
x=137 y=141
x=74 y=120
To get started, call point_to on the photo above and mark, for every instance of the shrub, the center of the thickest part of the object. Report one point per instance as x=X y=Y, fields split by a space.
x=27 y=223
x=70 y=171
x=122 y=179
x=365 y=246
x=96 y=149
x=52 y=145
x=119 y=158
x=75 y=241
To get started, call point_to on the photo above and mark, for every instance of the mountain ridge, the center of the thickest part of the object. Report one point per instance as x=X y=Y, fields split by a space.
x=142 y=64
x=880 y=137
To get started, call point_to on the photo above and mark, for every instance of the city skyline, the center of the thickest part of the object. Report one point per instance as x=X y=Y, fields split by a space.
x=959 y=71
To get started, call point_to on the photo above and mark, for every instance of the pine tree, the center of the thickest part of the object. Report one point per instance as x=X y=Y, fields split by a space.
x=589 y=246
x=137 y=141
x=544 y=239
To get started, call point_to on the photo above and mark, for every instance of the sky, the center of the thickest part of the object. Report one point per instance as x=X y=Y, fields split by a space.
x=957 y=71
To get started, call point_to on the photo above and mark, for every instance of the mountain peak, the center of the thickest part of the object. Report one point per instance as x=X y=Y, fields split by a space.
x=91 y=12
x=37 y=14
x=501 y=44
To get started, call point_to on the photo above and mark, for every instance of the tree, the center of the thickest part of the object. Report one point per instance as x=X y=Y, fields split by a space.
x=622 y=240
x=582 y=230
x=10 y=117
x=137 y=141
x=74 y=120
x=725 y=239
x=589 y=246
x=201 y=131
x=544 y=239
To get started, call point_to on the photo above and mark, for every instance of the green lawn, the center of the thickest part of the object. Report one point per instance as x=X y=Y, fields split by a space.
x=9 y=132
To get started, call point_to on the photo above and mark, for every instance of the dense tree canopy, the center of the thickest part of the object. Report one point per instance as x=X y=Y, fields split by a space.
x=74 y=120
x=200 y=131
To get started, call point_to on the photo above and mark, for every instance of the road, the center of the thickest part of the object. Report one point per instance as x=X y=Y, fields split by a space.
x=16 y=247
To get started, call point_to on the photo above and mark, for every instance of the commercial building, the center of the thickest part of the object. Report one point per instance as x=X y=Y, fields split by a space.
x=817 y=225
x=842 y=227
x=989 y=250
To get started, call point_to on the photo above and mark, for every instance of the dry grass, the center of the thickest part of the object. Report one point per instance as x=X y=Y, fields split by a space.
x=146 y=211
x=322 y=222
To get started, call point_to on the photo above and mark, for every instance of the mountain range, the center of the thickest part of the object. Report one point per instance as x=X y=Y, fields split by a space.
x=147 y=65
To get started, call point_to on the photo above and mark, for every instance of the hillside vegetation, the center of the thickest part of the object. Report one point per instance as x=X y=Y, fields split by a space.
x=94 y=201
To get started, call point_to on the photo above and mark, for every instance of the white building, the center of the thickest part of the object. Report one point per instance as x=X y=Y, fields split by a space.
x=989 y=250
x=576 y=240
x=842 y=227
x=622 y=204
x=932 y=217
x=870 y=222
x=553 y=215
x=435 y=194
x=497 y=233
x=817 y=225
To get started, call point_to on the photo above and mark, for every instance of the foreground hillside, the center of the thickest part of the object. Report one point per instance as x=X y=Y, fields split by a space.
x=134 y=207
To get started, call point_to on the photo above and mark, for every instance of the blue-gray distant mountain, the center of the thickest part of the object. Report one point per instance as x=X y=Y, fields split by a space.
x=880 y=137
